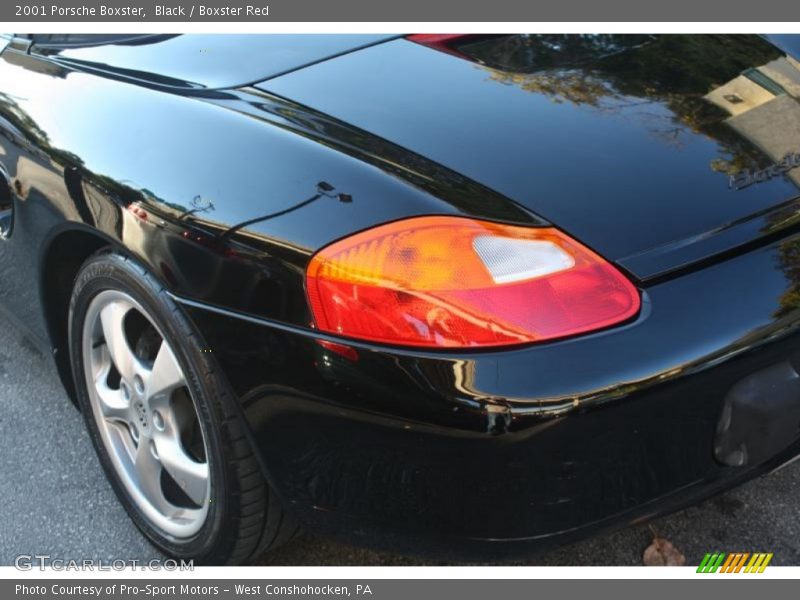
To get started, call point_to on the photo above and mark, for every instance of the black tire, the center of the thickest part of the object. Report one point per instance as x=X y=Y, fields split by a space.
x=244 y=518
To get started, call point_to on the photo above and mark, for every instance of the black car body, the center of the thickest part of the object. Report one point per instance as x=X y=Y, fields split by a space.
x=224 y=163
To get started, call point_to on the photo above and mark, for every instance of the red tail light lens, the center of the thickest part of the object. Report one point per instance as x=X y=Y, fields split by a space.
x=454 y=282
x=439 y=41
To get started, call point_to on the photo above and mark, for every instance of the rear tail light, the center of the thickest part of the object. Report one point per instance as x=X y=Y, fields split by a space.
x=443 y=42
x=450 y=43
x=455 y=282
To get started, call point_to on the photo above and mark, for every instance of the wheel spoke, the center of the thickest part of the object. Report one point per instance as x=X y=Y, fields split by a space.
x=148 y=476
x=112 y=403
x=191 y=476
x=165 y=377
x=112 y=318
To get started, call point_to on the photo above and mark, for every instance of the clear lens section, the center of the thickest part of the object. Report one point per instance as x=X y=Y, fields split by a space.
x=510 y=260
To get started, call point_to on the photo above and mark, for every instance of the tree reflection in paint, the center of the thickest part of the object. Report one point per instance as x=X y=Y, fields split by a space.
x=616 y=73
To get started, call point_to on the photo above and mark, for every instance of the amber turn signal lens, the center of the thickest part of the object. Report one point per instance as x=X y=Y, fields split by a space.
x=455 y=282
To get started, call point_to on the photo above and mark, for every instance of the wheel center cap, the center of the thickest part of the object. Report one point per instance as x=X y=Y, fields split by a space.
x=141 y=414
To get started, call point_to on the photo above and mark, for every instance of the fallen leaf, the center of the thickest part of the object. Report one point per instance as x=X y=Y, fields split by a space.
x=661 y=553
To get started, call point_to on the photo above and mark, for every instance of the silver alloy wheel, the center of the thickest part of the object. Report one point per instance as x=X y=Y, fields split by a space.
x=145 y=414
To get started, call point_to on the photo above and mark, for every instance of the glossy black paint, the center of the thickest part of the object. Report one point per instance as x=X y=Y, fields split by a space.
x=529 y=447
x=613 y=138
x=206 y=61
x=224 y=194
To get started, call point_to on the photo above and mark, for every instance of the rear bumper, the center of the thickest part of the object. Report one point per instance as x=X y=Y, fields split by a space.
x=486 y=455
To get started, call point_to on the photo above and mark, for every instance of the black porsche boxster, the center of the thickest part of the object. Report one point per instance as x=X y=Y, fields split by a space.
x=466 y=296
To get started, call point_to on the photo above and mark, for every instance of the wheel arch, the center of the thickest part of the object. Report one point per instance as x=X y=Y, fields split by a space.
x=62 y=255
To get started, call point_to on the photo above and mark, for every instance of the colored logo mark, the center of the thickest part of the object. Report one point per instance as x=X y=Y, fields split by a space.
x=737 y=562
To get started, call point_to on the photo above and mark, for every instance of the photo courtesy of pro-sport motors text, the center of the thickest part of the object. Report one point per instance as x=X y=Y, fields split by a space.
x=150 y=590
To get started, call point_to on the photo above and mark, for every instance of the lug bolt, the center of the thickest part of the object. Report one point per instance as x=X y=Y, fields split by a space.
x=138 y=384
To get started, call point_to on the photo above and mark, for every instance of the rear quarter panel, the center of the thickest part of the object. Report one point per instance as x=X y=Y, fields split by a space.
x=182 y=183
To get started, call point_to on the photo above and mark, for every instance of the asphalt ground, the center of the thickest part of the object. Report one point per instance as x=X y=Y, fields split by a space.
x=54 y=498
